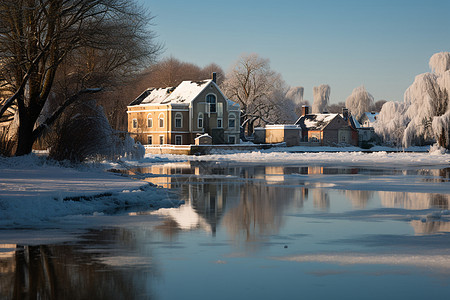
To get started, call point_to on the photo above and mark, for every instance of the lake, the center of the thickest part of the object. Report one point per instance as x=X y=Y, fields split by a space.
x=248 y=231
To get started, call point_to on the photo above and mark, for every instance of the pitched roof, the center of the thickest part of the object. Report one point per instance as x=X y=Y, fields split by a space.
x=315 y=121
x=184 y=93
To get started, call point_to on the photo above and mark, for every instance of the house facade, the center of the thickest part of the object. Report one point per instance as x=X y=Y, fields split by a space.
x=177 y=115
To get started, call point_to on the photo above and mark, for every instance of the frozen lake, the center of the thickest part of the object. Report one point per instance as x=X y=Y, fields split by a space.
x=248 y=231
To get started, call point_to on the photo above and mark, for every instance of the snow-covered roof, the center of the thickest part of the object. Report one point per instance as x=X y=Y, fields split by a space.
x=315 y=121
x=184 y=93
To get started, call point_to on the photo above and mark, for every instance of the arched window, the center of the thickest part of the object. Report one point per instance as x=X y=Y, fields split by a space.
x=161 y=120
x=211 y=103
x=200 y=120
x=149 y=121
x=178 y=120
x=231 y=121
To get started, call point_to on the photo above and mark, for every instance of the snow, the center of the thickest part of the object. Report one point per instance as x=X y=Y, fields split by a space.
x=34 y=190
x=184 y=93
x=318 y=121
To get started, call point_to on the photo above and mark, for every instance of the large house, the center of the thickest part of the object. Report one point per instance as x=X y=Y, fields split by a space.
x=178 y=115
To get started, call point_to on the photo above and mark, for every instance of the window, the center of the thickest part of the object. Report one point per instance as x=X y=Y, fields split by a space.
x=161 y=120
x=161 y=140
x=149 y=139
x=219 y=123
x=178 y=120
x=211 y=102
x=231 y=121
x=149 y=121
x=135 y=123
x=178 y=140
x=232 y=139
x=200 y=120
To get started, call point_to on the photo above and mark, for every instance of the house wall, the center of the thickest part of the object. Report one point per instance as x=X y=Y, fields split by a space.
x=281 y=133
x=168 y=132
x=210 y=120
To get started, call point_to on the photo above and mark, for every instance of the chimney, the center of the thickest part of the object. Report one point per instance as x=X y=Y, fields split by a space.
x=345 y=113
x=305 y=110
x=214 y=77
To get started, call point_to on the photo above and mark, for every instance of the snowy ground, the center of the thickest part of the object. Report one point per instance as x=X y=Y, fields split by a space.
x=34 y=191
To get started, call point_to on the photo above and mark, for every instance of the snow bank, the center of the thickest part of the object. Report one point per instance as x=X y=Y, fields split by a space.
x=34 y=190
x=375 y=159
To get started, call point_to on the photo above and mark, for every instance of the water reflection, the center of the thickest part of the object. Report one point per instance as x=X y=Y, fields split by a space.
x=100 y=267
x=251 y=201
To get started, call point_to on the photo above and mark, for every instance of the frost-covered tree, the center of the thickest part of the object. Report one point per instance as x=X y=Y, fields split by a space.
x=391 y=122
x=359 y=102
x=295 y=94
x=321 y=96
x=424 y=116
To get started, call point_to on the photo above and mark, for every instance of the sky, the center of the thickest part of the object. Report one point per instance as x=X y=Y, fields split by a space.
x=381 y=44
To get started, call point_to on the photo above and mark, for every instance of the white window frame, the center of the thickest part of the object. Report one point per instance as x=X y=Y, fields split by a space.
x=219 y=120
x=179 y=116
x=231 y=117
x=149 y=139
x=161 y=118
x=149 y=120
x=200 y=118
x=134 y=123
x=208 y=104
x=181 y=139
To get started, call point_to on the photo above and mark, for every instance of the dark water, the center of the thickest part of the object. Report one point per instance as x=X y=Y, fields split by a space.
x=250 y=232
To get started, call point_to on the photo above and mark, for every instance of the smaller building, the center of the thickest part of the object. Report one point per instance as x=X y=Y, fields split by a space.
x=326 y=129
x=274 y=134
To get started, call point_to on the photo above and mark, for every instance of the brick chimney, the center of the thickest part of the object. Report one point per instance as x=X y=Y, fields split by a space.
x=305 y=110
x=345 y=113
x=214 y=77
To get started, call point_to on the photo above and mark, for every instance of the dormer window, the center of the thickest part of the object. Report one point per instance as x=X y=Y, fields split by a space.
x=211 y=103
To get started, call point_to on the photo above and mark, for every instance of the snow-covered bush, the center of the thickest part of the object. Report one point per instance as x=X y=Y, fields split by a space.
x=131 y=149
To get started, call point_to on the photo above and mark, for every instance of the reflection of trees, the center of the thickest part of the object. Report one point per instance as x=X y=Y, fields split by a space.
x=259 y=212
x=414 y=200
x=359 y=199
x=80 y=271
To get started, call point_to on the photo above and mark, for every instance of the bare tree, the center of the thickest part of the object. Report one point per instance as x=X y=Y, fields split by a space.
x=256 y=87
x=38 y=36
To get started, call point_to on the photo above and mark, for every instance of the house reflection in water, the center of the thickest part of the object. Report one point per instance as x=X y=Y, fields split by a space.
x=246 y=200
x=250 y=200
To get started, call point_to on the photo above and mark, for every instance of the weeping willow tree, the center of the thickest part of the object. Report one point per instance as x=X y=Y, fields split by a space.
x=424 y=116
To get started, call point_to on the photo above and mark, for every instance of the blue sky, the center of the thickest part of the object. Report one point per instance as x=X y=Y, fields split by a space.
x=380 y=44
